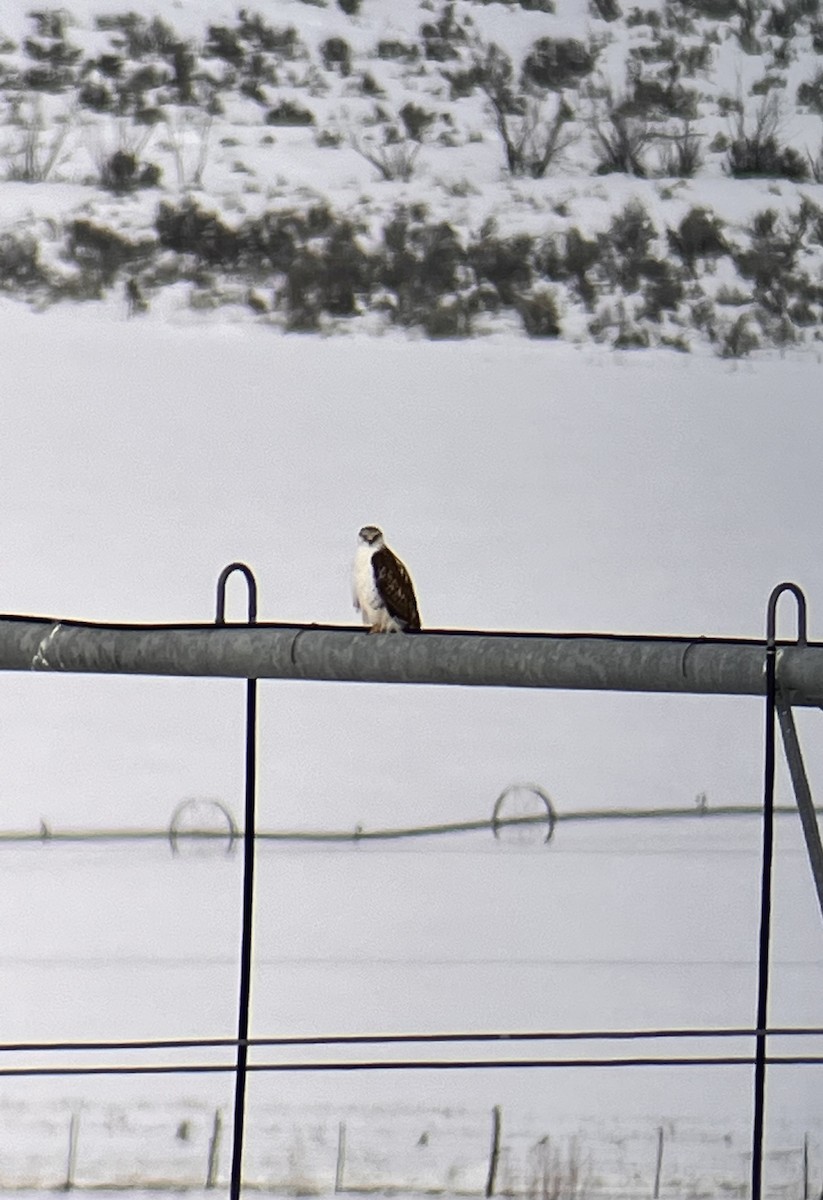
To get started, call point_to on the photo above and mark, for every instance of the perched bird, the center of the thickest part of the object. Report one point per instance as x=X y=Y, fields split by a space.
x=382 y=587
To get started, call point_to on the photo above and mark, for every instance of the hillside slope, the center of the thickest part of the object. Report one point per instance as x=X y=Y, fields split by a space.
x=635 y=176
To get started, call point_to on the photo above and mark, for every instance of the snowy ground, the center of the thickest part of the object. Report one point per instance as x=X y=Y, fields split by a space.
x=535 y=487
x=607 y=928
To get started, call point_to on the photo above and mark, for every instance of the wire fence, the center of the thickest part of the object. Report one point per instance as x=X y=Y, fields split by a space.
x=314 y=1150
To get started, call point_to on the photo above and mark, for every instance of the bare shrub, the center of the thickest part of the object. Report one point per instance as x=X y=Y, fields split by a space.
x=607 y=10
x=395 y=160
x=681 y=155
x=736 y=339
x=102 y=254
x=714 y=10
x=557 y=63
x=771 y=255
x=424 y=266
x=123 y=173
x=553 y=1174
x=188 y=134
x=38 y=144
x=535 y=138
x=571 y=258
x=816 y=164
x=532 y=136
x=505 y=263
x=621 y=141
x=810 y=93
x=417 y=121
x=625 y=248
x=336 y=55
x=187 y=229
x=289 y=112
x=142 y=37
x=539 y=313
x=443 y=37
x=755 y=148
x=783 y=19
x=118 y=157
x=662 y=288
x=748 y=15
x=54 y=57
x=660 y=95
x=325 y=277
x=394 y=49
x=224 y=42
x=20 y=265
x=699 y=236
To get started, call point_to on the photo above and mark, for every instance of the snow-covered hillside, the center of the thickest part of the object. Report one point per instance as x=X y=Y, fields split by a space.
x=634 y=175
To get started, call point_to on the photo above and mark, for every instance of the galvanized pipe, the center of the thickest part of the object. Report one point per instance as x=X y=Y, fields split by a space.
x=803 y=795
x=592 y=662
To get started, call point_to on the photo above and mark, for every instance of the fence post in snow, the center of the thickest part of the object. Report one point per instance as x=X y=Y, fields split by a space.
x=494 y=1153
x=341 y=1157
x=214 y=1149
x=658 y=1166
x=71 y=1161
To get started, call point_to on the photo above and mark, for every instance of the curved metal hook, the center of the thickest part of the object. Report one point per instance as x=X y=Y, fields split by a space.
x=771 y=613
x=251 y=582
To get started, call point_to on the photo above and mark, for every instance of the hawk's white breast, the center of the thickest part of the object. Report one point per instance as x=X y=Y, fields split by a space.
x=366 y=596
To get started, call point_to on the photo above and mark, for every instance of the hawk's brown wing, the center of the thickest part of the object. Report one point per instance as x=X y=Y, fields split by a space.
x=395 y=587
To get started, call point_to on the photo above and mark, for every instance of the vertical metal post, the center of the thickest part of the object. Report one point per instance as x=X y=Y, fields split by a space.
x=658 y=1165
x=341 y=1158
x=71 y=1161
x=759 y=1108
x=214 y=1151
x=494 y=1152
x=249 y=831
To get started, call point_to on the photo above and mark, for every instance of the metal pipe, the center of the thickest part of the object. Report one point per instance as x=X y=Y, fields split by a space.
x=592 y=662
x=803 y=795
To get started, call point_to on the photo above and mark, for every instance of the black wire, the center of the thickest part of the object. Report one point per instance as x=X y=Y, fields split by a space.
x=436 y=1064
x=393 y=1039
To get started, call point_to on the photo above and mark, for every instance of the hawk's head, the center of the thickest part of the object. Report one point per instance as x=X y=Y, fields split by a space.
x=370 y=535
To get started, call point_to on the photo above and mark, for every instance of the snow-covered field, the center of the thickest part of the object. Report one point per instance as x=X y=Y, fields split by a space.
x=527 y=487
x=605 y=929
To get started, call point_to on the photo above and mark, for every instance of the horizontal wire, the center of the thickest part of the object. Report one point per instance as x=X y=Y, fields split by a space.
x=47 y=834
x=390 y=1039
x=412 y=1065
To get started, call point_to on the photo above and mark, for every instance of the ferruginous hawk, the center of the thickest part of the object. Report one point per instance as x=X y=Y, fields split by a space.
x=382 y=587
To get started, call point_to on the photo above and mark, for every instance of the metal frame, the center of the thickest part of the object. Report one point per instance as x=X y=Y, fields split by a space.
x=249 y=838
x=786 y=674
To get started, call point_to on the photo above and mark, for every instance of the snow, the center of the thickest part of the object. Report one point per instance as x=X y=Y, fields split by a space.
x=527 y=487
x=237 y=166
x=535 y=486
